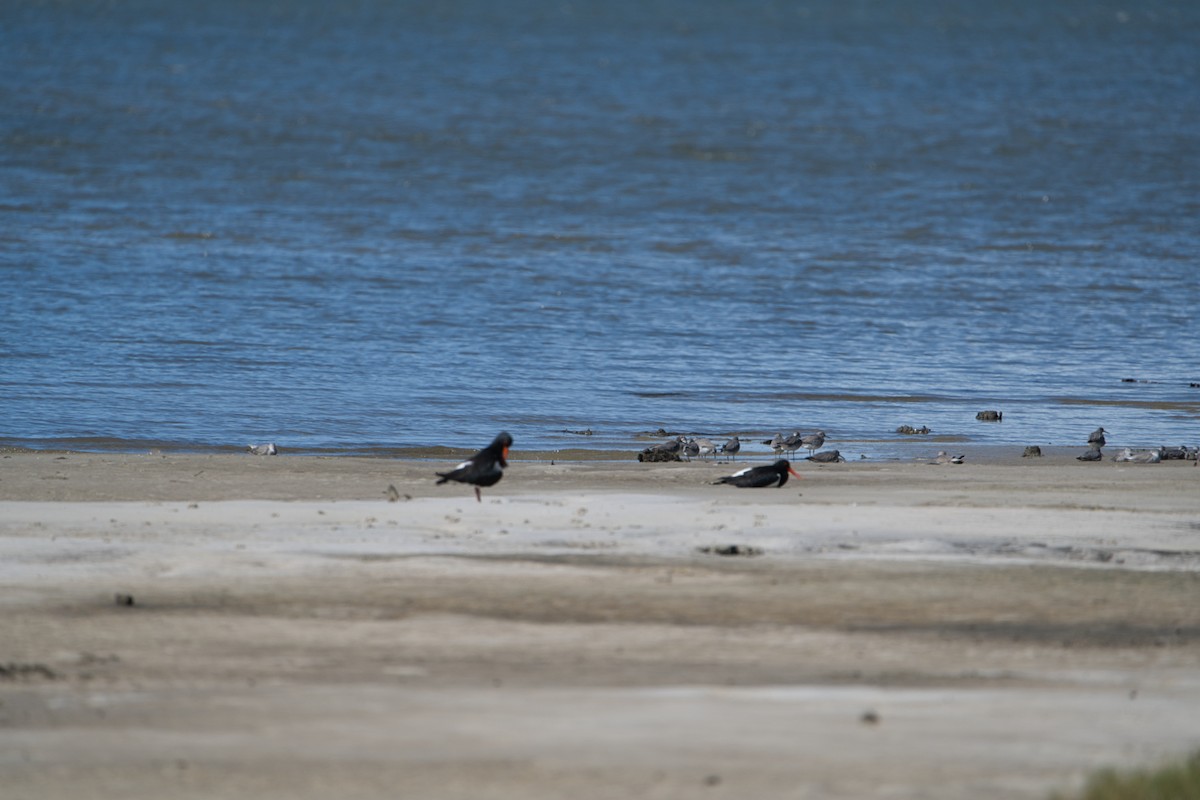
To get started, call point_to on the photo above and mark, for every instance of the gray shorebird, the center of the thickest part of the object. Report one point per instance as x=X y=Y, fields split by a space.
x=812 y=442
x=945 y=458
x=1093 y=454
x=1096 y=437
x=828 y=457
x=776 y=443
x=706 y=447
x=1139 y=457
x=761 y=477
x=485 y=468
x=731 y=447
x=793 y=442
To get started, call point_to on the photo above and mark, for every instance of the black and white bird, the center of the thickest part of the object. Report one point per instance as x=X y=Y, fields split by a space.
x=485 y=468
x=761 y=477
x=1096 y=437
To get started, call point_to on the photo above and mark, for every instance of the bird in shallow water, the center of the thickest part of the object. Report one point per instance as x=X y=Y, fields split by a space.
x=812 y=441
x=485 y=468
x=761 y=477
x=828 y=457
x=793 y=442
x=731 y=447
x=1096 y=437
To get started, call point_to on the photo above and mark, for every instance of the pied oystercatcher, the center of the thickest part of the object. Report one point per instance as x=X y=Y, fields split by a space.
x=761 y=477
x=485 y=468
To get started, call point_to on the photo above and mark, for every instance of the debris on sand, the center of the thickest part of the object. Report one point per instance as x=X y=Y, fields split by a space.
x=731 y=550
x=15 y=671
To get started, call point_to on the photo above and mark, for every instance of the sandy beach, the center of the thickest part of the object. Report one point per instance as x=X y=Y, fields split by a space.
x=207 y=626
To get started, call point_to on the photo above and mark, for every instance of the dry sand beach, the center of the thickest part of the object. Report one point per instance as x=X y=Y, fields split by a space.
x=205 y=626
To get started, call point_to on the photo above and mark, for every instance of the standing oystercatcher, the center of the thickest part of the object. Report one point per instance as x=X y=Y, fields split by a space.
x=485 y=468
x=760 y=477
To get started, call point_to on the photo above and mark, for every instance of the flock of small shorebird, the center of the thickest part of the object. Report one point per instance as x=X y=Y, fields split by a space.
x=1096 y=441
x=781 y=443
x=486 y=467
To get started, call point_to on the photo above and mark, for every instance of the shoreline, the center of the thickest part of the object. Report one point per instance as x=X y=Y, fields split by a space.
x=82 y=476
x=877 y=450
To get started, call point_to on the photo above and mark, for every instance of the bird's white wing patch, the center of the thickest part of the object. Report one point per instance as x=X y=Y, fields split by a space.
x=741 y=472
x=465 y=464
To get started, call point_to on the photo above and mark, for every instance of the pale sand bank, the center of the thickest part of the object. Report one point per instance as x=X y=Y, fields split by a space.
x=293 y=634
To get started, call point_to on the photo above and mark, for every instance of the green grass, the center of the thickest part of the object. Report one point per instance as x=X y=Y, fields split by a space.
x=1176 y=781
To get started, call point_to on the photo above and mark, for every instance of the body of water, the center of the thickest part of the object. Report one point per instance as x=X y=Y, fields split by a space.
x=372 y=226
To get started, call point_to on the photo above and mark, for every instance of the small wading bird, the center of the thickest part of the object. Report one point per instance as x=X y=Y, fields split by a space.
x=813 y=441
x=1096 y=437
x=761 y=477
x=485 y=468
x=1093 y=454
x=793 y=442
x=731 y=447
x=776 y=443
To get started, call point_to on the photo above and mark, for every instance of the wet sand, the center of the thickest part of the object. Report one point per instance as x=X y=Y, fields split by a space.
x=179 y=626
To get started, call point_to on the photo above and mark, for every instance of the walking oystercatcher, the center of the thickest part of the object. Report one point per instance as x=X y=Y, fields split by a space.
x=761 y=477
x=485 y=468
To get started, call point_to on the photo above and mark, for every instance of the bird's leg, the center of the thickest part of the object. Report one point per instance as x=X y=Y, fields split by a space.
x=478 y=495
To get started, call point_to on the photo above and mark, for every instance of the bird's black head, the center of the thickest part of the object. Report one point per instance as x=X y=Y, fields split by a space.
x=500 y=446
